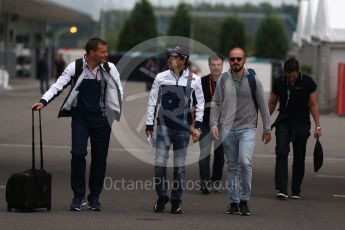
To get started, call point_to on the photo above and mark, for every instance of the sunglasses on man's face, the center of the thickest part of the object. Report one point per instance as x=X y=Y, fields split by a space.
x=236 y=59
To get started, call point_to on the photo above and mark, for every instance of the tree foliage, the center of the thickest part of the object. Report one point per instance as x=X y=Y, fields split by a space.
x=206 y=32
x=266 y=8
x=139 y=27
x=270 y=40
x=180 y=23
x=231 y=35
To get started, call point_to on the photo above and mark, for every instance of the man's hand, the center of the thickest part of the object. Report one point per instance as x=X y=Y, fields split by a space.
x=215 y=133
x=149 y=133
x=317 y=132
x=195 y=135
x=266 y=137
x=37 y=106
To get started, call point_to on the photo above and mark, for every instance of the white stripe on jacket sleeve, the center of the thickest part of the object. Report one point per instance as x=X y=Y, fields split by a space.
x=152 y=103
x=199 y=113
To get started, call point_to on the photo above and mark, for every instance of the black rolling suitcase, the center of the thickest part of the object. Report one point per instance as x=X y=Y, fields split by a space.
x=31 y=189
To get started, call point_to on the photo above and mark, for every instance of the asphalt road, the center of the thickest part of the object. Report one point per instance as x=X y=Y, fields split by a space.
x=128 y=196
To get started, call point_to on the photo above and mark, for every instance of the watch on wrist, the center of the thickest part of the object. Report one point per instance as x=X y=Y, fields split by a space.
x=318 y=128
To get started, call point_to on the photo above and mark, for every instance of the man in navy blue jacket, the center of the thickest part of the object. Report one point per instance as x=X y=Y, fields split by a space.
x=93 y=103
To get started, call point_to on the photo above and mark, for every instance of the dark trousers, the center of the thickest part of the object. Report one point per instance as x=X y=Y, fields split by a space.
x=298 y=135
x=98 y=129
x=205 y=144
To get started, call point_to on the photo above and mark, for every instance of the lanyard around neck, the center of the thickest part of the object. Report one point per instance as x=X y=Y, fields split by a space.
x=288 y=92
x=237 y=83
x=211 y=88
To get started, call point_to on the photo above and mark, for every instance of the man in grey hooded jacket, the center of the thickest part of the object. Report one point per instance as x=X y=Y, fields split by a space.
x=237 y=105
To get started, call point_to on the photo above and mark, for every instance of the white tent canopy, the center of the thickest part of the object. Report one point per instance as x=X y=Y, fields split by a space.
x=302 y=13
x=321 y=20
x=329 y=24
x=320 y=37
x=310 y=20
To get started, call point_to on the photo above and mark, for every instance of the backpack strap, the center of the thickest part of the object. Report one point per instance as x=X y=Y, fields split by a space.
x=252 y=85
x=106 y=67
x=78 y=70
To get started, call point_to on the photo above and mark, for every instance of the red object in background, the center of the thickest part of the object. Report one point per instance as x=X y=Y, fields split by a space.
x=341 y=89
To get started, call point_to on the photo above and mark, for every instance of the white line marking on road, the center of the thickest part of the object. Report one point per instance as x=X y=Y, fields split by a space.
x=29 y=146
x=68 y=147
x=342 y=196
x=330 y=176
x=308 y=158
x=141 y=124
x=64 y=147
x=148 y=72
x=137 y=96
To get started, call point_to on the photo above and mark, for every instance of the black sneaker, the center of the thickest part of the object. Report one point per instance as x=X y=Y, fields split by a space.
x=282 y=195
x=233 y=208
x=296 y=196
x=244 y=209
x=160 y=204
x=77 y=204
x=95 y=206
x=175 y=208
x=204 y=189
x=216 y=186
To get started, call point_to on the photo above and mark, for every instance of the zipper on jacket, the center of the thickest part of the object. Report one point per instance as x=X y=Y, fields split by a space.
x=176 y=78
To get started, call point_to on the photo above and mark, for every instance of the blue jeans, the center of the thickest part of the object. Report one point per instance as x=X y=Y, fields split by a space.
x=238 y=149
x=165 y=138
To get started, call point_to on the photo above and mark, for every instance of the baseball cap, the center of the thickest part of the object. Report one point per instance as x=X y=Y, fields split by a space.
x=178 y=50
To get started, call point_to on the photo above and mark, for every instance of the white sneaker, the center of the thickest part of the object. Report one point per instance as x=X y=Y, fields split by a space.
x=296 y=197
x=282 y=196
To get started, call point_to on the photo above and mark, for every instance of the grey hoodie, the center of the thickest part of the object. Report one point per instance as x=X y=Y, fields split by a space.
x=238 y=111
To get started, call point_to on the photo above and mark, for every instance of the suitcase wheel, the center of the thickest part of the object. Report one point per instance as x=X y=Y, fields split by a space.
x=49 y=208
x=9 y=209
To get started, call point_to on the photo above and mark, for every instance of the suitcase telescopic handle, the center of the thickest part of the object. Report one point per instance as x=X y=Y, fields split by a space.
x=33 y=139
